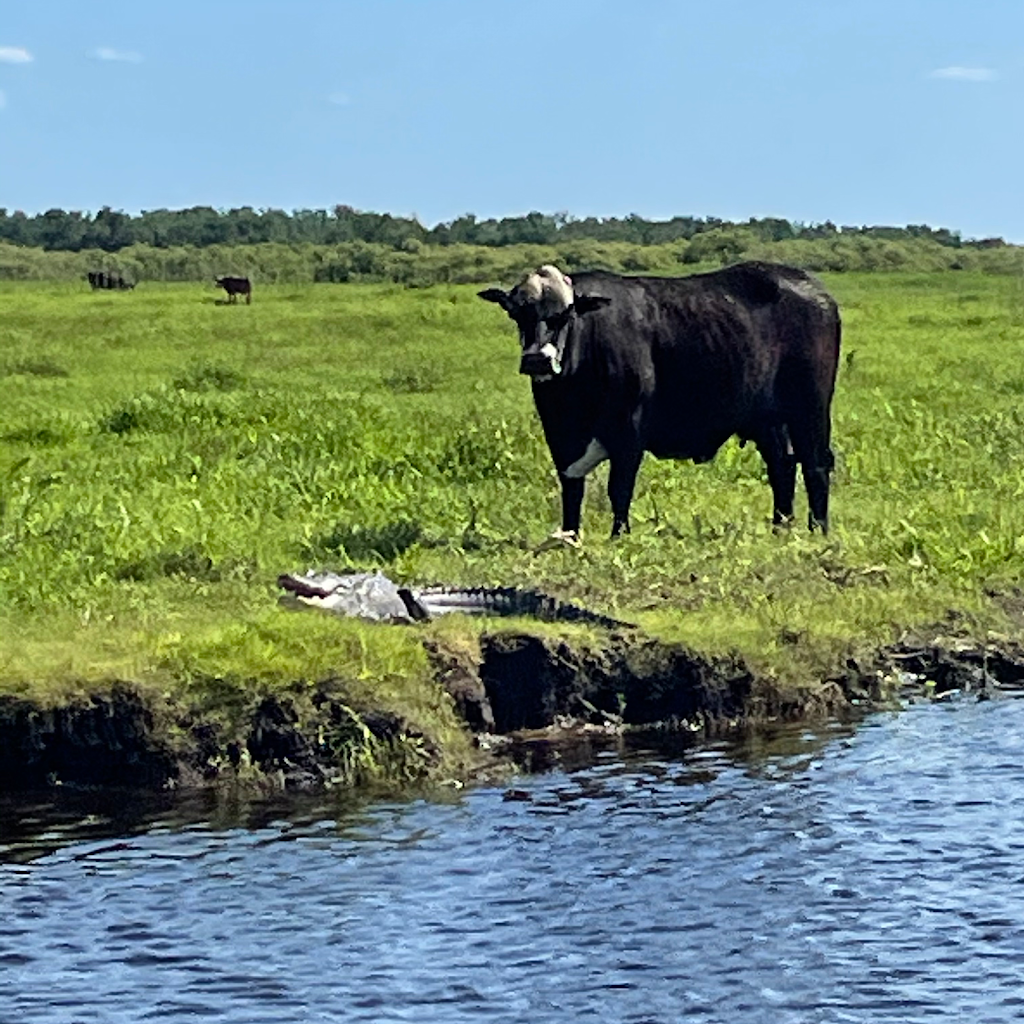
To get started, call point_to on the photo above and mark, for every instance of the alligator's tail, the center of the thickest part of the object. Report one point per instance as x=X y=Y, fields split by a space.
x=430 y=602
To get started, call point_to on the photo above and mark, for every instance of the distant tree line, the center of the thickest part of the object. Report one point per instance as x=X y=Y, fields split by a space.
x=202 y=226
x=416 y=264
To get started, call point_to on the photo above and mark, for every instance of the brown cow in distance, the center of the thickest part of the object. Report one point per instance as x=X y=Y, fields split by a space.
x=236 y=286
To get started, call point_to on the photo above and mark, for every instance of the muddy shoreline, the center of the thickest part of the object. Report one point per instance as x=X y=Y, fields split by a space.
x=510 y=688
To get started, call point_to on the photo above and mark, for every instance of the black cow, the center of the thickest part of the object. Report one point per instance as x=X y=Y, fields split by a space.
x=675 y=366
x=109 y=280
x=236 y=286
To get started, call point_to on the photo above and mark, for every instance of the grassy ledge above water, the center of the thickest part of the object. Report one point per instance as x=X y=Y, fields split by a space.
x=163 y=458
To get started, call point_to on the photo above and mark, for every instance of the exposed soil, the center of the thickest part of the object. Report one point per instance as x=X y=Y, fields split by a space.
x=510 y=683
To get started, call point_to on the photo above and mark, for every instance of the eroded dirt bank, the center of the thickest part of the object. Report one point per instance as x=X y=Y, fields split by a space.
x=501 y=684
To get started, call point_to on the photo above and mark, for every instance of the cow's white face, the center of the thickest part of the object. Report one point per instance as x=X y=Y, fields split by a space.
x=547 y=289
x=545 y=300
x=542 y=306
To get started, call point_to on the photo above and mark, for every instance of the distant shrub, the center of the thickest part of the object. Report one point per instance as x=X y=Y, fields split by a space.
x=415 y=263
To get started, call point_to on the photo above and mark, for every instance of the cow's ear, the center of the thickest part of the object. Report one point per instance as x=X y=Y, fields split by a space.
x=498 y=296
x=588 y=303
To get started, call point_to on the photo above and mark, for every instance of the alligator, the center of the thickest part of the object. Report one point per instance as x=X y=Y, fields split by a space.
x=372 y=596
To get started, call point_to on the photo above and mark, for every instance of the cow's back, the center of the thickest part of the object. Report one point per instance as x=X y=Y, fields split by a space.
x=711 y=355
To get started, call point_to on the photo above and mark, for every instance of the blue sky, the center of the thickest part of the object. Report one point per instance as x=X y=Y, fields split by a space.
x=860 y=112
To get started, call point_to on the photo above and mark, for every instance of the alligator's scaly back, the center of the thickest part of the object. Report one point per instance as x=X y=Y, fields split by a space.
x=507 y=601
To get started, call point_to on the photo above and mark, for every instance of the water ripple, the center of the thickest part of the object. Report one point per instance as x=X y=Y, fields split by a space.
x=812 y=876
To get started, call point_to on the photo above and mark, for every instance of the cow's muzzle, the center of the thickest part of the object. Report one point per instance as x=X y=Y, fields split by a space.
x=542 y=362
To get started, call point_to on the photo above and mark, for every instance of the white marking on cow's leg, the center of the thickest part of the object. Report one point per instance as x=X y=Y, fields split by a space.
x=595 y=454
x=559 y=539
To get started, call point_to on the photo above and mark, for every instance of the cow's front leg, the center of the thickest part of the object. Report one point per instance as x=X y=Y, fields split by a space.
x=572 y=502
x=621 y=482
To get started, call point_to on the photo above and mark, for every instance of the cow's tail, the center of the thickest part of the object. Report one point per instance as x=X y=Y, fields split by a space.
x=838 y=332
x=838 y=342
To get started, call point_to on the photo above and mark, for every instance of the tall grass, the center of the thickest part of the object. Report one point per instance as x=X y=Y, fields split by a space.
x=163 y=458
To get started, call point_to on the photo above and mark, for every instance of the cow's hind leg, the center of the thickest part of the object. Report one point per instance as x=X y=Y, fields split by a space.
x=621 y=482
x=816 y=480
x=811 y=441
x=780 y=462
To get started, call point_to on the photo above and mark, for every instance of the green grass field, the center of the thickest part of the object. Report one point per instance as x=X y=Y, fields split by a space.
x=163 y=458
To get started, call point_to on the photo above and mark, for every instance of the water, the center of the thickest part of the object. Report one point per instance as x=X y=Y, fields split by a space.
x=819 y=876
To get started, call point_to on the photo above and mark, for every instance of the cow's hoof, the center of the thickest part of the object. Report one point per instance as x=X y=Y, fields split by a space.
x=559 y=539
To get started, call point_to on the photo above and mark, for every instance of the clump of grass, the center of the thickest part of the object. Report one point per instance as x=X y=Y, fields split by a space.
x=165 y=410
x=364 y=544
x=204 y=376
x=481 y=450
x=418 y=380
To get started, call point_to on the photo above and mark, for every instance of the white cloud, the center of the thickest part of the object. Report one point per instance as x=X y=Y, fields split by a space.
x=340 y=99
x=107 y=53
x=964 y=74
x=15 y=55
x=3 y=99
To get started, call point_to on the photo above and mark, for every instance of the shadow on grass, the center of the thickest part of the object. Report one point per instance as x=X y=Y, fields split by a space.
x=190 y=562
x=39 y=437
x=40 y=367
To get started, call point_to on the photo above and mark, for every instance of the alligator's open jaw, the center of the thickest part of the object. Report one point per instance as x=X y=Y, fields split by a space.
x=364 y=595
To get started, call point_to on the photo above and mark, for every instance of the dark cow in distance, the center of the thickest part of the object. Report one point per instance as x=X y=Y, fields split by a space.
x=675 y=366
x=236 y=286
x=109 y=280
